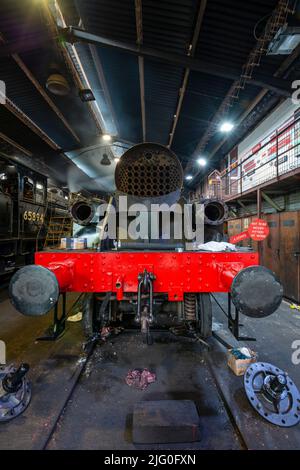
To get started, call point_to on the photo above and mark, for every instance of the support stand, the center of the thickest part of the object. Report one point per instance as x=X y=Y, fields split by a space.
x=233 y=323
x=59 y=322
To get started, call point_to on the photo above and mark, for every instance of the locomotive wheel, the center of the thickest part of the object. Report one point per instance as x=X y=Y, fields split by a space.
x=91 y=322
x=204 y=315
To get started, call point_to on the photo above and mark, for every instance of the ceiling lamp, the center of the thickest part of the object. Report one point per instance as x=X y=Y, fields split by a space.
x=226 y=127
x=105 y=160
x=57 y=84
x=188 y=177
x=106 y=137
x=86 y=95
x=201 y=161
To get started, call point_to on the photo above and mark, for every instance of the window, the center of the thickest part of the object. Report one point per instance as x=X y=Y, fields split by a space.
x=28 y=189
x=8 y=179
x=39 y=192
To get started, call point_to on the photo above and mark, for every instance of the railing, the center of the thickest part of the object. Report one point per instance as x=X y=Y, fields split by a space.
x=279 y=155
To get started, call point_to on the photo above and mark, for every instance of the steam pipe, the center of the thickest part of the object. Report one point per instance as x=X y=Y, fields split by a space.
x=83 y=212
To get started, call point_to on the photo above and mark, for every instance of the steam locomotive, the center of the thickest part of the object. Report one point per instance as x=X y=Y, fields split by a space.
x=26 y=204
x=148 y=280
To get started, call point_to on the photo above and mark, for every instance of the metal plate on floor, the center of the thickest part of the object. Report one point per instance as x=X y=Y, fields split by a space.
x=273 y=394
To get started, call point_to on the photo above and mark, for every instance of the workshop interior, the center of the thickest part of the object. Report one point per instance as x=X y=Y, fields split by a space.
x=150 y=227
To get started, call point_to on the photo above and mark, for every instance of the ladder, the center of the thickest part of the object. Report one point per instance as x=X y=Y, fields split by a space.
x=58 y=227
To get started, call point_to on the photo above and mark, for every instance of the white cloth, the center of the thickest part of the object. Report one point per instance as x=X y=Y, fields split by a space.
x=217 y=246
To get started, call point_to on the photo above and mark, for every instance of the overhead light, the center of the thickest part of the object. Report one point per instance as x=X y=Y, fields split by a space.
x=201 y=161
x=39 y=186
x=117 y=159
x=188 y=177
x=86 y=95
x=57 y=84
x=226 y=126
x=66 y=198
x=105 y=160
x=106 y=137
x=285 y=41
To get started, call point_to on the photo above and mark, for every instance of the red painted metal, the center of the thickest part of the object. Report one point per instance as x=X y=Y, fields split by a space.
x=175 y=273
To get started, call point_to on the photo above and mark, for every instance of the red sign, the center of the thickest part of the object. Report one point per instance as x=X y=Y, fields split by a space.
x=238 y=238
x=258 y=230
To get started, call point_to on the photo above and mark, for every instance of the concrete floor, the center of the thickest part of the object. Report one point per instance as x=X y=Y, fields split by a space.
x=97 y=404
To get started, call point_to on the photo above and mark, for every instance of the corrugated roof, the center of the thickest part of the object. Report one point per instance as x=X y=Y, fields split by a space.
x=226 y=37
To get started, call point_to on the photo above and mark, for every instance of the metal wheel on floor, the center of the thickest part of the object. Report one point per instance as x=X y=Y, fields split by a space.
x=273 y=394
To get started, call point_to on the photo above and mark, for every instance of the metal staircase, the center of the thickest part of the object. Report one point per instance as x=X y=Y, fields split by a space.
x=59 y=227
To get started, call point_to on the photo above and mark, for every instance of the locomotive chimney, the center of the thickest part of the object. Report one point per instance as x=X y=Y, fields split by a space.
x=151 y=172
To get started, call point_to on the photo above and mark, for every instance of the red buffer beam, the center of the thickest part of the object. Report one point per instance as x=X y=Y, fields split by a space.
x=175 y=273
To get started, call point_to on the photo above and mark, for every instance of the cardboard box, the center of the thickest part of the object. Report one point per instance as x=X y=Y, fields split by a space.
x=73 y=243
x=239 y=366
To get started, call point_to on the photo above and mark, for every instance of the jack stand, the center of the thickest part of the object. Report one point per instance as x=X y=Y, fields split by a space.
x=145 y=315
x=59 y=323
x=233 y=323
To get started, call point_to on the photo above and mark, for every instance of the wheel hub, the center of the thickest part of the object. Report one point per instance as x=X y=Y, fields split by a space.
x=272 y=394
x=15 y=392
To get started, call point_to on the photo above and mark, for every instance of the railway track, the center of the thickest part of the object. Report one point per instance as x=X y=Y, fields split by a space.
x=81 y=401
x=100 y=362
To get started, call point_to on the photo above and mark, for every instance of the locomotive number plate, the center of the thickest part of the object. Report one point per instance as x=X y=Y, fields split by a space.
x=33 y=217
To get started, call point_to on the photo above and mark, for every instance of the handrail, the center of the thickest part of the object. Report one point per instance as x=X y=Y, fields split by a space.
x=233 y=185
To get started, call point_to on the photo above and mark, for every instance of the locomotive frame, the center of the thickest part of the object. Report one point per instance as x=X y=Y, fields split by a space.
x=152 y=283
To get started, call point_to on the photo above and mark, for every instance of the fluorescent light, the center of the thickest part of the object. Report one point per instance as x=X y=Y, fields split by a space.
x=188 y=177
x=106 y=137
x=226 y=126
x=86 y=95
x=285 y=41
x=201 y=161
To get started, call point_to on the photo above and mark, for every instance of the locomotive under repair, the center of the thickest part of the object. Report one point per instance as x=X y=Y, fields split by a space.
x=26 y=205
x=148 y=281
